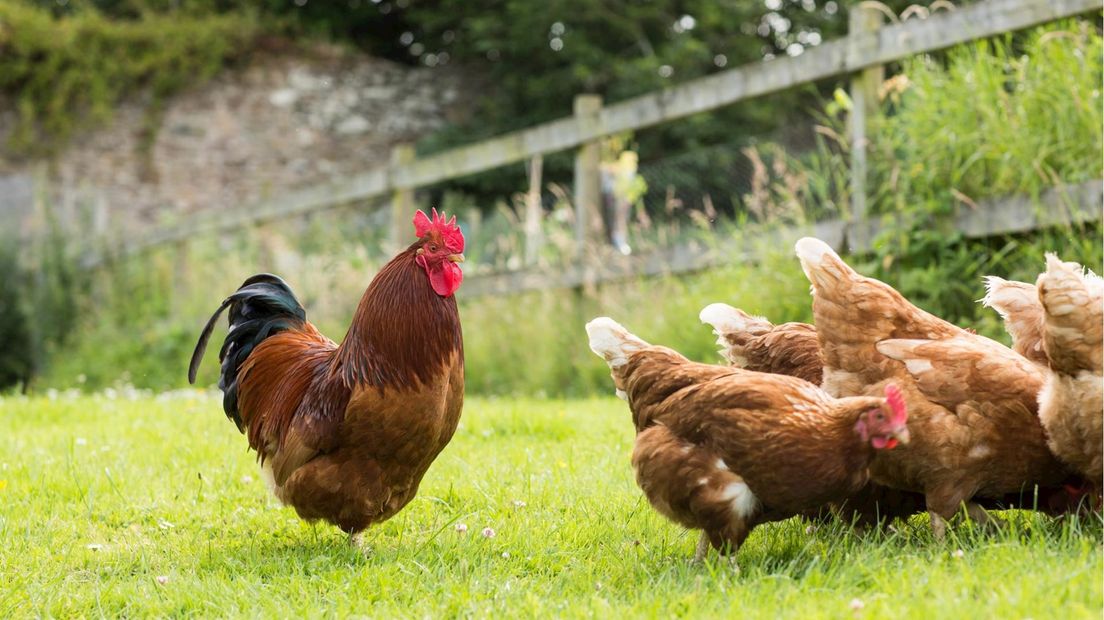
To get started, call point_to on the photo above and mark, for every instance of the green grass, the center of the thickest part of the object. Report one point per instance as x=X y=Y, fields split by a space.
x=101 y=495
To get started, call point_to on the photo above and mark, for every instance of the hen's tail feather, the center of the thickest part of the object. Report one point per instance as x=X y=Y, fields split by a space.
x=820 y=262
x=734 y=328
x=264 y=305
x=612 y=342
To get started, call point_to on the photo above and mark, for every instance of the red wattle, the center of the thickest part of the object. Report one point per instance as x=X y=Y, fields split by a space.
x=445 y=277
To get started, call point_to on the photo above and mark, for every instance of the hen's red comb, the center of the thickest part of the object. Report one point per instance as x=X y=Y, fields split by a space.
x=896 y=401
x=449 y=231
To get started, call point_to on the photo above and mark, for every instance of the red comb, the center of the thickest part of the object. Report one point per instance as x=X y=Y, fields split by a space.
x=449 y=231
x=896 y=401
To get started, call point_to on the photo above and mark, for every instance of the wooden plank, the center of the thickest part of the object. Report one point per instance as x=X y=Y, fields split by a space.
x=587 y=188
x=683 y=258
x=373 y=184
x=402 y=202
x=1069 y=204
x=1064 y=205
x=864 y=102
x=1059 y=206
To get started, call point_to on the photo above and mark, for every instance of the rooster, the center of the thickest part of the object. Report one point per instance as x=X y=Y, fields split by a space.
x=723 y=449
x=972 y=400
x=345 y=432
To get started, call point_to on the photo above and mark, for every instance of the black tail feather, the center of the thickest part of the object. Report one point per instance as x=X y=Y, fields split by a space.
x=201 y=346
x=264 y=305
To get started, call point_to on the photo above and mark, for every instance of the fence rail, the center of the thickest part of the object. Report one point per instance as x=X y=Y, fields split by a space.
x=867 y=46
x=1066 y=205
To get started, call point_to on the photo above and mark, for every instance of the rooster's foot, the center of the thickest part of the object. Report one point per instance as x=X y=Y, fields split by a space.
x=939 y=526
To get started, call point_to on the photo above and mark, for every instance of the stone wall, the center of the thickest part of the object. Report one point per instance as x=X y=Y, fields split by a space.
x=281 y=121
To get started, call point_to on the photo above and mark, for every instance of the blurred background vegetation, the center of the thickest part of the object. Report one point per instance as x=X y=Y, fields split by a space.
x=1015 y=115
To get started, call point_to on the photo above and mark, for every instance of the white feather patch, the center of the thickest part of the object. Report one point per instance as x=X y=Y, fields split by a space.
x=742 y=500
x=980 y=451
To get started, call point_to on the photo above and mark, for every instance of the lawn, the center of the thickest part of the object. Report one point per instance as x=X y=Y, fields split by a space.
x=132 y=504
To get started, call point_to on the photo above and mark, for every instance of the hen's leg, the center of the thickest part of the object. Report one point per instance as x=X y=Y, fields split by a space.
x=943 y=503
x=356 y=541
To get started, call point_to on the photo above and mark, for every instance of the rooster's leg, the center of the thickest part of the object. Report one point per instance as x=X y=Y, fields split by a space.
x=703 y=548
x=938 y=525
x=977 y=513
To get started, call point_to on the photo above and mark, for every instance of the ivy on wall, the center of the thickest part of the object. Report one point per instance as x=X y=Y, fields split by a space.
x=64 y=73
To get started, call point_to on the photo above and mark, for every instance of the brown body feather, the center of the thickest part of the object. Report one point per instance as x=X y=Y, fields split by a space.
x=350 y=430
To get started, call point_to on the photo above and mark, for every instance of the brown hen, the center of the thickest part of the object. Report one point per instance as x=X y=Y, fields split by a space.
x=723 y=449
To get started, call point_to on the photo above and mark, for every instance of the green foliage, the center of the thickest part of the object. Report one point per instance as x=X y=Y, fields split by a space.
x=65 y=73
x=998 y=117
x=17 y=358
x=128 y=504
x=39 y=301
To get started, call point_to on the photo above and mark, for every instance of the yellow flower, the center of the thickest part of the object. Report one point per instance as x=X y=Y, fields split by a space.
x=3 y=484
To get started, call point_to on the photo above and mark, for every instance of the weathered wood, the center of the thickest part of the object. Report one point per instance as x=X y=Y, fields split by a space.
x=855 y=52
x=1057 y=207
x=864 y=19
x=402 y=201
x=534 y=212
x=587 y=190
x=683 y=258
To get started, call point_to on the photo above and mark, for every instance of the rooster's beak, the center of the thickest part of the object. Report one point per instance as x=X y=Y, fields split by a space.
x=903 y=435
x=456 y=258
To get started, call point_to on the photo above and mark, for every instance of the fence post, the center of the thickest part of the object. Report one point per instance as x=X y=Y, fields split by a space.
x=402 y=200
x=864 y=102
x=587 y=191
x=533 y=210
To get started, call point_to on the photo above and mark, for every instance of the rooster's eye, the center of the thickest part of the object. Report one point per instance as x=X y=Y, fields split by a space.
x=433 y=247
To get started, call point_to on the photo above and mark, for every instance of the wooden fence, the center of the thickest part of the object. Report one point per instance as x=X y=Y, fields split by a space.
x=869 y=45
